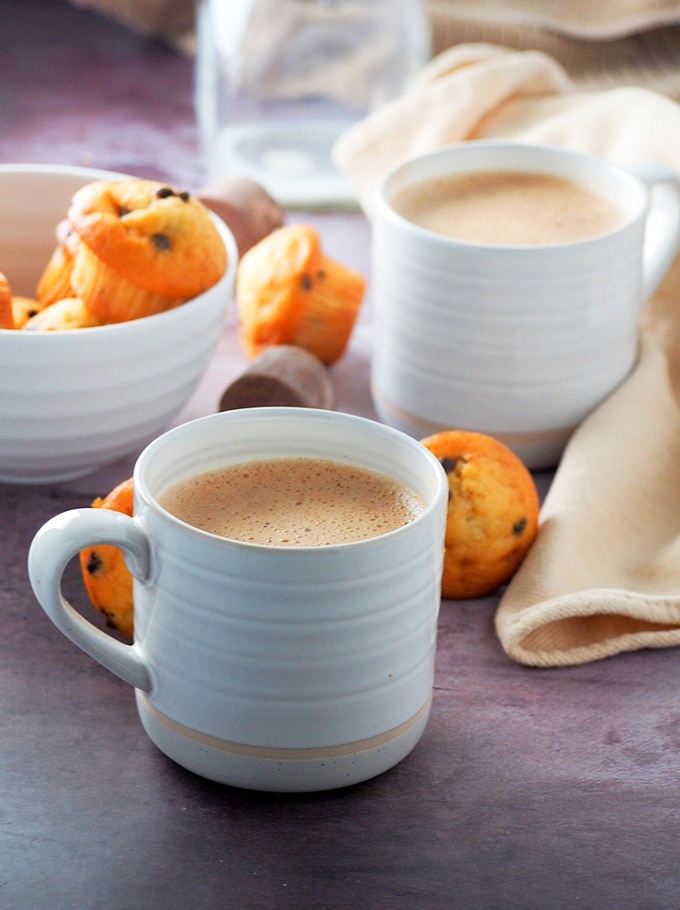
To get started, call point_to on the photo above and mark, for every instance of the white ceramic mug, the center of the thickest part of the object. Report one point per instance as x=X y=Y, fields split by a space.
x=518 y=342
x=269 y=668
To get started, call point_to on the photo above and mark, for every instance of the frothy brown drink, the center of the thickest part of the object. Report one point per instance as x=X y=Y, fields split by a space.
x=293 y=502
x=508 y=208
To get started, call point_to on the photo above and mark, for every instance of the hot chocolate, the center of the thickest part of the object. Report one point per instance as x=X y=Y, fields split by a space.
x=508 y=208
x=293 y=502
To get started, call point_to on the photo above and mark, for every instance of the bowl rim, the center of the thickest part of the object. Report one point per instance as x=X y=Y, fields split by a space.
x=68 y=170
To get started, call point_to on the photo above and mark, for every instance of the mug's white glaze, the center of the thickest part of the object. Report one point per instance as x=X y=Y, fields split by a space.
x=518 y=342
x=269 y=668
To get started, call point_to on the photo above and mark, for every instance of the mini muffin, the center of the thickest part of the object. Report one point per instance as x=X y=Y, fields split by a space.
x=143 y=247
x=55 y=281
x=107 y=579
x=492 y=516
x=70 y=313
x=289 y=293
x=6 y=313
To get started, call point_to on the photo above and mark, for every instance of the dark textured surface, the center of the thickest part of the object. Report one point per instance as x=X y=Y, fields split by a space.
x=79 y=89
x=530 y=789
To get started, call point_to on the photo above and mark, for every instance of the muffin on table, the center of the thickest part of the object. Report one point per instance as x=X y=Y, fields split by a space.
x=107 y=579
x=492 y=516
x=289 y=293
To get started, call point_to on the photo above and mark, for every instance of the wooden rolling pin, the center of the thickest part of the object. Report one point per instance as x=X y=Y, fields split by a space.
x=282 y=376
x=245 y=207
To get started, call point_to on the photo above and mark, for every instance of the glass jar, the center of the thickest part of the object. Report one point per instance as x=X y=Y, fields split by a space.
x=277 y=81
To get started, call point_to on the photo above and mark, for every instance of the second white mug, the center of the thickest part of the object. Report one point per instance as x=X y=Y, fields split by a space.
x=521 y=341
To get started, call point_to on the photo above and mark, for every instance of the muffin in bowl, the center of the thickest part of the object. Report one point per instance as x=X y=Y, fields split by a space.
x=75 y=399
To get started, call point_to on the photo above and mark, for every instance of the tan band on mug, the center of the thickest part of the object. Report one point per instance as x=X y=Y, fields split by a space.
x=362 y=745
x=428 y=427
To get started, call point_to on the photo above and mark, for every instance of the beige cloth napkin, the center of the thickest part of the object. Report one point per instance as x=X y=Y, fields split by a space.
x=581 y=18
x=604 y=573
x=600 y=44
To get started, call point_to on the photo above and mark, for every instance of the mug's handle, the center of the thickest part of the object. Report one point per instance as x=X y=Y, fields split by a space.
x=55 y=544
x=662 y=234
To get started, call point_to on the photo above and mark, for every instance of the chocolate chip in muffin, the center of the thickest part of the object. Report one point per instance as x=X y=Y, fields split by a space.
x=165 y=191
x=519 y=527
x=450 y=465
x=161 y=242
x=94 y=563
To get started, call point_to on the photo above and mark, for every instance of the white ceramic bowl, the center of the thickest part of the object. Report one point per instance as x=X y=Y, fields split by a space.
x=73 y=401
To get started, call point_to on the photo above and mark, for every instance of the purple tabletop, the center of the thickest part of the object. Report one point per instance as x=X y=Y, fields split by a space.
x=530 y=788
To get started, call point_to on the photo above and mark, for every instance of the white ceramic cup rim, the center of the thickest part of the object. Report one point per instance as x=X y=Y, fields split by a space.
x=194 y=428
x=475 y=153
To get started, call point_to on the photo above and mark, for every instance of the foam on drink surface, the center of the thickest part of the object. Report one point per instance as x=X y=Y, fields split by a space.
x=508 y=208
x=293 y=502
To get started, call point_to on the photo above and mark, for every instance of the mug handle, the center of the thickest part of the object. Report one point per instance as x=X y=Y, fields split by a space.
x=59 y=541
x=662 y=234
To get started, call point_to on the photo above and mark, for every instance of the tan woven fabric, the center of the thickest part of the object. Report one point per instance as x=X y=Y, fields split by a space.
x=600 y=20
x=604 y=574
x=599 y=44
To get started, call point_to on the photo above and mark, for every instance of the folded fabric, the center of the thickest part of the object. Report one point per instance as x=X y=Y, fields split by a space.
x=612 y=44
x=580 y=18
x=603 y=576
